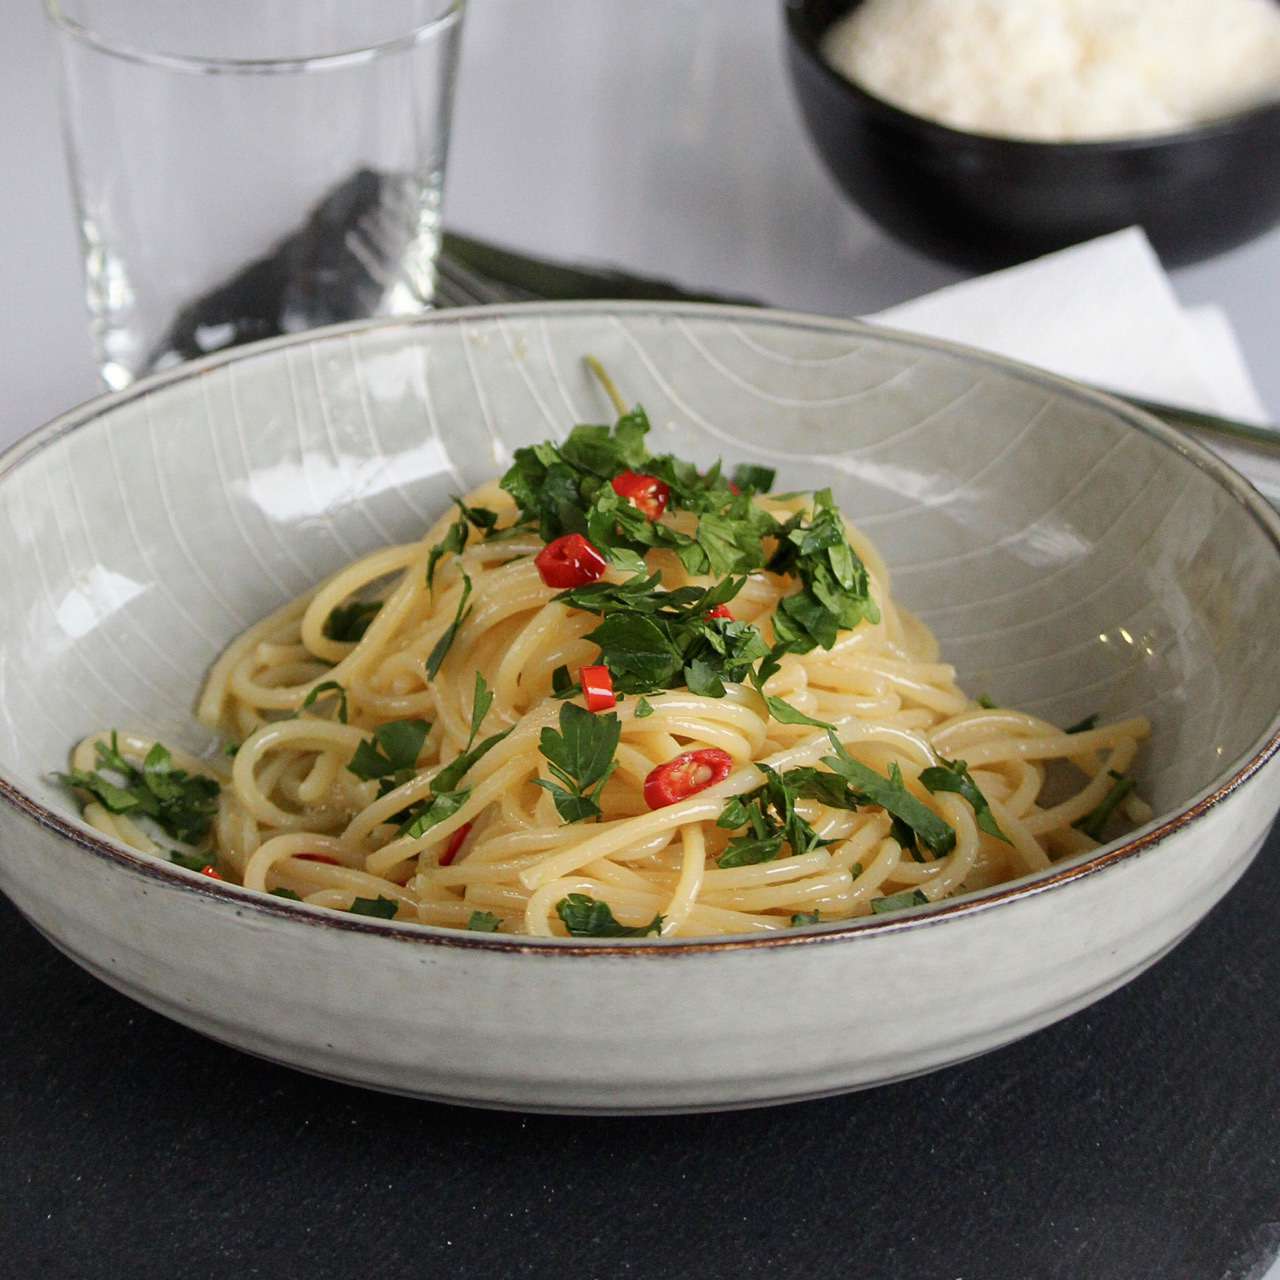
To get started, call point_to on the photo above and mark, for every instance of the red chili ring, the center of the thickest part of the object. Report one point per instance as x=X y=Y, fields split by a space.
x=597 y=688
x=646 y=493
x=570 y=561
x=686 y=775
x=456 y=841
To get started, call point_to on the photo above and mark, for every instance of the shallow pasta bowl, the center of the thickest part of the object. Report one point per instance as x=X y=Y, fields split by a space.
x=1071 y=554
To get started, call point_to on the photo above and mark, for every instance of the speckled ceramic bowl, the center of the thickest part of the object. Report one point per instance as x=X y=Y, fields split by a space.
x=1072 y=555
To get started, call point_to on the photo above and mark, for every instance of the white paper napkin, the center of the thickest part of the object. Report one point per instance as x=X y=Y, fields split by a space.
x=1102 y=312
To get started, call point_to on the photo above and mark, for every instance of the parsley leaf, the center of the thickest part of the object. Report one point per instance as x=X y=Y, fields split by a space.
x=581 y=759
x=183 y=805
x=746 y=851
x=804 y=917
x=954 y=775
x=481 y=701
x=285 y=893
x=453 y=543
x=391 y=754
x=785 y=713
x=889 y=793
x=770 y=816
x=484 y=922
x=584 y=917
x=379 y=907
x=1094 y=824
x=643 y=710
x=329 y=686
x=1083 y=726
x=456 y=770
x=563 y=685
x=702 y=679
x=446 y=798
x=898 y=901
x=191 y=861
x=442 y=646
x=747 y=476
x=349 y=622
x=433 y=811
x=836 y=592
x=986 y=703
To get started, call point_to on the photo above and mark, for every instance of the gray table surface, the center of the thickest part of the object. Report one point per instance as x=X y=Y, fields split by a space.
x=660 y=137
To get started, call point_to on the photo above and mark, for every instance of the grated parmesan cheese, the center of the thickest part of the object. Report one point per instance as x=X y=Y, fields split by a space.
x=1063 y=70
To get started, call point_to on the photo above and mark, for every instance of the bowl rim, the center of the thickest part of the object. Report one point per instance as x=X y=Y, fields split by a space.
x=1236 y=773
x=1129 y=144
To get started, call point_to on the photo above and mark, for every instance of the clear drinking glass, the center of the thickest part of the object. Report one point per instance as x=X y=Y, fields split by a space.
x=243 y=168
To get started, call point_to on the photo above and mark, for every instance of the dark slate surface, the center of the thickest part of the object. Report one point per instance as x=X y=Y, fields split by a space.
x=1139 y=1139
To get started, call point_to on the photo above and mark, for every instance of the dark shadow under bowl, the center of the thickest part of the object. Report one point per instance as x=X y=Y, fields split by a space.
x=983 y=202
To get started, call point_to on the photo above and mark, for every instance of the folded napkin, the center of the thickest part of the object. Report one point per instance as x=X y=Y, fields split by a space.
x=1102 y=312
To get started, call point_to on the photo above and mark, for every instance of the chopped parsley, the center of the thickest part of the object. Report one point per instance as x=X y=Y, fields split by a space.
x=898 y=901
x=446 y=799
x=481 y=701
x=836 y=591
x=754 y=479
x=327 y=688
x=769 y=815
x=455 y=538
x=349 y=622
x=391 y=755
x=484 y=922
x=1094 y=824
x=381 y=908
x=643 y=710
x=785 y=713
x=284 y=893
x=804 y=917
x=563 y=685
x=183 y=805
x=1083 y=726
x=584 y=917
x=986 y=703
x=432 y=812
x=652 y=639
x=857 y=784
x=191 y=861
x=581 y=759
x=954 y=775
x=443 y=645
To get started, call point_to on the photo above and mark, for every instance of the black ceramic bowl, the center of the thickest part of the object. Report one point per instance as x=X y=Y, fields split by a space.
x=984 y=202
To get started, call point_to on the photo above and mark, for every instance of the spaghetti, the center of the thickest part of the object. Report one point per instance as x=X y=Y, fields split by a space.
x=611 y=696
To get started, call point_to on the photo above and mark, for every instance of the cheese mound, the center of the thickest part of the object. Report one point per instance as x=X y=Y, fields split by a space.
x=1063 y=70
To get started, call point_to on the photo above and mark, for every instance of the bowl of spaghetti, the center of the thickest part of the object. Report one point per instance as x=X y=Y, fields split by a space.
x=627 y=708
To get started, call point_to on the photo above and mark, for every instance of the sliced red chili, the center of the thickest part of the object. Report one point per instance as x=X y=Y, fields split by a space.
x=686 y=775
x=720 y=611
x=319 y=857
x=212 y=872
x=570 y=561
x=733 y=488
x=646 y=493
x=456 y=841
x=597 y=688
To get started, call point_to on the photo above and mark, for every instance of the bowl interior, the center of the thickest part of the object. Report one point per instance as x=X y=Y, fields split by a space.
x=1071 y=557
